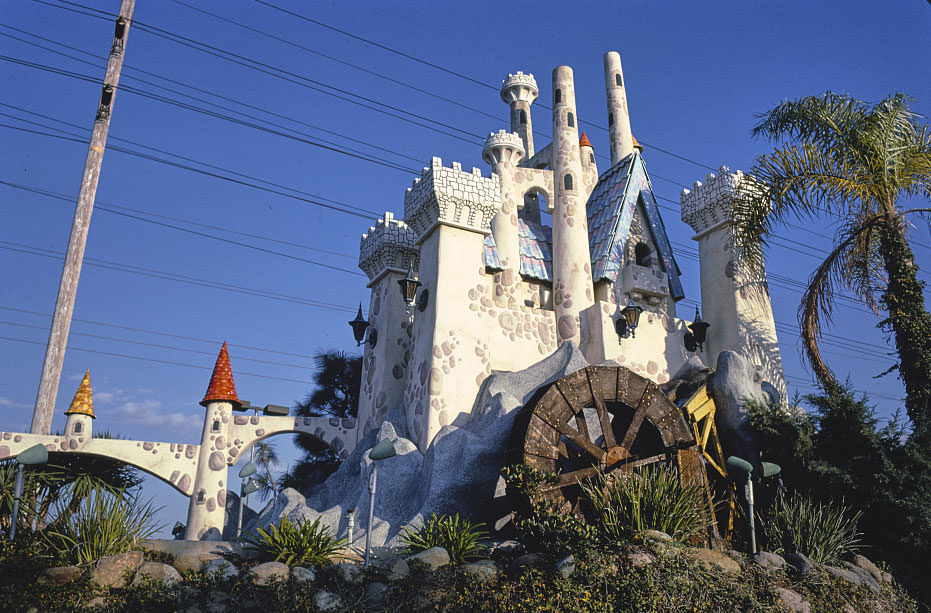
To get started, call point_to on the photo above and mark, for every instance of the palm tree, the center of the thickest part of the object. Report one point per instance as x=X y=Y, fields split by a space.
x=858 y=161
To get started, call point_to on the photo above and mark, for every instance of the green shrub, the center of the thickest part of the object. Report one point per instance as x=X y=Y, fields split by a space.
x=823 y=532
x=105 y=524
x=458 y=536
x=649 y=499
x=297 y=543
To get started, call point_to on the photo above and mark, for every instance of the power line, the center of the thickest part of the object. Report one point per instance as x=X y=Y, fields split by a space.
x=159 y=274
x=156 y=361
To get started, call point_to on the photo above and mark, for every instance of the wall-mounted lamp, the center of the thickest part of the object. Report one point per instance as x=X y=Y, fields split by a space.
x=359 y=326
x=695 y=340
x=626 y=324
x=409 y=286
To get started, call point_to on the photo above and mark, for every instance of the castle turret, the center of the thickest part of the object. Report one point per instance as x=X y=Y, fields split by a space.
x=81 y=412
x=519 y=91
x=589 y=167
x=618 y=117
x=735 y=300
x=503 y=151
x=208 y=502
x=572 y=270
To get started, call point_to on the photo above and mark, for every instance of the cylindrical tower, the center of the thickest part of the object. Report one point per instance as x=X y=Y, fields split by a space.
x=503 y=151
x=572 y=270
x=207 y=508
x=618 y=116
x=519 y=91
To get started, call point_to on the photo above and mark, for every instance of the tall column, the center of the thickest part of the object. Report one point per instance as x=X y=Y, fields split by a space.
x=503 y=151
x=74 y=258
x=618 y=116
x=572 y=269
x=519 y=91
x=207 y=509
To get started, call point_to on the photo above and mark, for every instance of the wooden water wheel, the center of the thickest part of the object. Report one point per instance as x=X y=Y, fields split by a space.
x=598 y=420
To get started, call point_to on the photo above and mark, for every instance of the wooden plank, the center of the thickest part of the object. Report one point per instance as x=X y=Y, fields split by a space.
x=643 y=406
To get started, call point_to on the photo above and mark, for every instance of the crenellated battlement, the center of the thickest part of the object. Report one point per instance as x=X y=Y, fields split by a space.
x=711 y=203
x=519 y=86
x=451 y=196
x=388 y=245
x=503 y=146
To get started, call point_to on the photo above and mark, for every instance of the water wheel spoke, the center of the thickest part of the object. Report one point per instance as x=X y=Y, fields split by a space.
x=603 y=418
x=641 y=412
x=571 y=478
x=593 y=450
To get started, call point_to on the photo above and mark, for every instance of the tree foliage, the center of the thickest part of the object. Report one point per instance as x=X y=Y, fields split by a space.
x=844 y=157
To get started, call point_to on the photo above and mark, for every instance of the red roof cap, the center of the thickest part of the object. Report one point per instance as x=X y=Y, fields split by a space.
x=583 y=141
x=222 y=388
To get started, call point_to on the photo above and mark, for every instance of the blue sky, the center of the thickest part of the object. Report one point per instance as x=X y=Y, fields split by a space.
x=697 y=73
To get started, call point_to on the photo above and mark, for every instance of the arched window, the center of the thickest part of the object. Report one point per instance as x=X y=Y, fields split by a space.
x=643 y=255
x=618 y=79
x=570 y=120
x=201 y=495
x=216 y=425
x=557 y=96
x=77 y=428
x=523 y=117
x=591 y=158
x=610 y=119
x=567 y=181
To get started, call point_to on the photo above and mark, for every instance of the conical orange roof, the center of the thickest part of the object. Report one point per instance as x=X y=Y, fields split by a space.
x=637 y=145
x=83 y=403
x=584 y=142
x=222 y=388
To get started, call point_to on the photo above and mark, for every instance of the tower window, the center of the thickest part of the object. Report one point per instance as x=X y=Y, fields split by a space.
x=570 y=119
x=591 y=158
x=618 y=79
x=567 y=181
x=557 y=96
x=643 y=255
x=610 y=119
x=77 y=428
x=216 y=425
x=523 y=117
x=201 y=495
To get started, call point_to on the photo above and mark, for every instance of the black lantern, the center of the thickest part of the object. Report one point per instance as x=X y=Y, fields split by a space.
x=409 y=285
x=359 y=326
x=695 y=340
x=626 y=325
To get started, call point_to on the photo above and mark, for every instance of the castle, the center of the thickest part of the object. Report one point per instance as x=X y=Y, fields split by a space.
x=501 y=288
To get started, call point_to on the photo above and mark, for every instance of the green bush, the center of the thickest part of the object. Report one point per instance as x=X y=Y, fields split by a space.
x=650 y=499
x=822 y=531
x=458 y=536
x=297 y=543
x=105 y=524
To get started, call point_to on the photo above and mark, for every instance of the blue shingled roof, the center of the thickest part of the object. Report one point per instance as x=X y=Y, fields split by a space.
x=610 y=210
x=536 y=250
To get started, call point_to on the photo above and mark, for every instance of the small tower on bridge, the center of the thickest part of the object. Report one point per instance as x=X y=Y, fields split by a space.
x=81 y=412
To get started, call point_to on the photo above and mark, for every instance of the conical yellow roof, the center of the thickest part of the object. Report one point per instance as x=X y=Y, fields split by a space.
x=83 y=403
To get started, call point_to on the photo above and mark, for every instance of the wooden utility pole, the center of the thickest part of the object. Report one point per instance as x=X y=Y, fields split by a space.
x=64 y=306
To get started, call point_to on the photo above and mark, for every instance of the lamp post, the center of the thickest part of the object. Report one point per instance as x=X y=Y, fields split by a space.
x=739 y=466
x=381 y=451
x=37 y=454
x=245 y=489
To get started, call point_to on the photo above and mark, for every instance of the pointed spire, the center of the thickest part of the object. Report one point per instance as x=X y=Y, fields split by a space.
x=83 y=403
x=584 y=142
x=637 y=145
x=222 y=388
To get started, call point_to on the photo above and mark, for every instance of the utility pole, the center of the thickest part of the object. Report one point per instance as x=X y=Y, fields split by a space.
x=64 y=306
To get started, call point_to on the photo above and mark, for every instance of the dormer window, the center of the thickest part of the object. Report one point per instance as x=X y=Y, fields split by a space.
x=77 y=428
x=643 y=255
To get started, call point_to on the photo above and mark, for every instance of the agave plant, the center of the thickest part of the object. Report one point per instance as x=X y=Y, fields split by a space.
x=823 y=532
x=651 y=499
x=458 y=536
x=105 y=524
x=297 y=543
